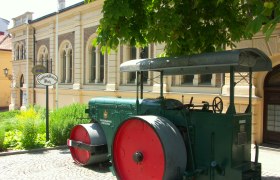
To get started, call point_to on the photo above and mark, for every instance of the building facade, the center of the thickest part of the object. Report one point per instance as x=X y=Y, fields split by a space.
x=62 y=41
x=5 y=64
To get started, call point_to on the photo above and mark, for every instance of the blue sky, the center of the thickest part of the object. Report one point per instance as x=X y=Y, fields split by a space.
x=10 y=8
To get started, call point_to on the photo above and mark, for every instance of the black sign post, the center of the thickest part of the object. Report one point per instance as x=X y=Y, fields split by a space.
x=47 y=108
x=47 y=79
x=47 y=114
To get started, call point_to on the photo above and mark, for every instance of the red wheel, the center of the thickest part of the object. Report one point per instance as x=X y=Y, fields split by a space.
x=148 y=147
x=89 y=134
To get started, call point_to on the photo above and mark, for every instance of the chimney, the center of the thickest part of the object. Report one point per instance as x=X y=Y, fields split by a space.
x=61 y=4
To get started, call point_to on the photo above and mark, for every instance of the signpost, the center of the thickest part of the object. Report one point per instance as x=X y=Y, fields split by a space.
x=47 y=79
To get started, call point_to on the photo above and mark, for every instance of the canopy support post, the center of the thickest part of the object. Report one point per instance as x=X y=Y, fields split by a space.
x=161 y=84
x=141 y=84
x=137 y=92
x=249 y=108
x=231 y=108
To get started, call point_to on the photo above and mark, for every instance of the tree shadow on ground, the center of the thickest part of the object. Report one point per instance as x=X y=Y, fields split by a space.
x=64 y=150
x=103 y=167
x=100 y=167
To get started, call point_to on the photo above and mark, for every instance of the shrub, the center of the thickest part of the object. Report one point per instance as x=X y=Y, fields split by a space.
x=30 y=123
x=8 y=120
x=63 y=120
x=7 y=123
x=13 y=140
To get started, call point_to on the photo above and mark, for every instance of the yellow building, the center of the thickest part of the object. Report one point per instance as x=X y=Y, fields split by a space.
x=63 y=40
x=5 y=64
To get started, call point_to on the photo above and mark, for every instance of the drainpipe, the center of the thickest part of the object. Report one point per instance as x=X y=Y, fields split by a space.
x=56 y=59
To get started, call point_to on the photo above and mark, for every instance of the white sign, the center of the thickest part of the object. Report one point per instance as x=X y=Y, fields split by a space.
x=47 y=79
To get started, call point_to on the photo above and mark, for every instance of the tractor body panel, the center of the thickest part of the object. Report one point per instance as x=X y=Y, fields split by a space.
x=222 y=144
x=110 y=112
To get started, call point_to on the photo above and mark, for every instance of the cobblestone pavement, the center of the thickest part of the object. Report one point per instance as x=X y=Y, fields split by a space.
x=58 y=164
x=49 y=165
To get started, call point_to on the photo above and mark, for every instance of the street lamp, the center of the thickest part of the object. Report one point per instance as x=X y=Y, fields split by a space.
x=6 y=70
x=6 y=73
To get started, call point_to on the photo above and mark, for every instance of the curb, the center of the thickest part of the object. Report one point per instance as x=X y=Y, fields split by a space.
x=32 y=150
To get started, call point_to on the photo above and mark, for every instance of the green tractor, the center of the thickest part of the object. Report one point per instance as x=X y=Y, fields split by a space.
x=159 y=138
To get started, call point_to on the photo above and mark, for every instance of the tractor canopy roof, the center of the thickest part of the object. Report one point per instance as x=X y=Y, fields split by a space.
x=207 y=63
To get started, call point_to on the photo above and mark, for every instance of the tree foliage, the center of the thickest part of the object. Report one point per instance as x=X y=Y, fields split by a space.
x=185 y=26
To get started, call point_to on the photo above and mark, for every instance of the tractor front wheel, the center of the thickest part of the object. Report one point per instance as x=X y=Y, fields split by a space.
x=148 y=147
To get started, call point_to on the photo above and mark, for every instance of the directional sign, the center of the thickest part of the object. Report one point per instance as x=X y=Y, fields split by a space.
x=38 y=69
x=47 y=79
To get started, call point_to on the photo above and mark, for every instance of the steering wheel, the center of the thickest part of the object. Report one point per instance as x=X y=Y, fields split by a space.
x=217 y=105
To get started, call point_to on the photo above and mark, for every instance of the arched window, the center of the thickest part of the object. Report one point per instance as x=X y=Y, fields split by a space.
x=70 y=69
x=43 y=57
x=66 y=62
x=22 y=51
x=17 y=52
x=132 y=75
x=63 y=79
x=144 y=55
x=96 y=66
x=130 y=53
x=101 y=67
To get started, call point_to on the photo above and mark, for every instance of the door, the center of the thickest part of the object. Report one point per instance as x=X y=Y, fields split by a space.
x=271 y=126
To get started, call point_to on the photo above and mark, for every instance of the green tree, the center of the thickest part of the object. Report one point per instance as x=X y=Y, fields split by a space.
x=185 y=26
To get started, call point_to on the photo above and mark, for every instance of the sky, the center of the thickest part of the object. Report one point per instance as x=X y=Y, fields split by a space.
x=10 y=9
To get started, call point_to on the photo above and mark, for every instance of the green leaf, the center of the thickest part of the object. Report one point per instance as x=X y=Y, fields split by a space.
x=269 y=31
x=255 y=25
